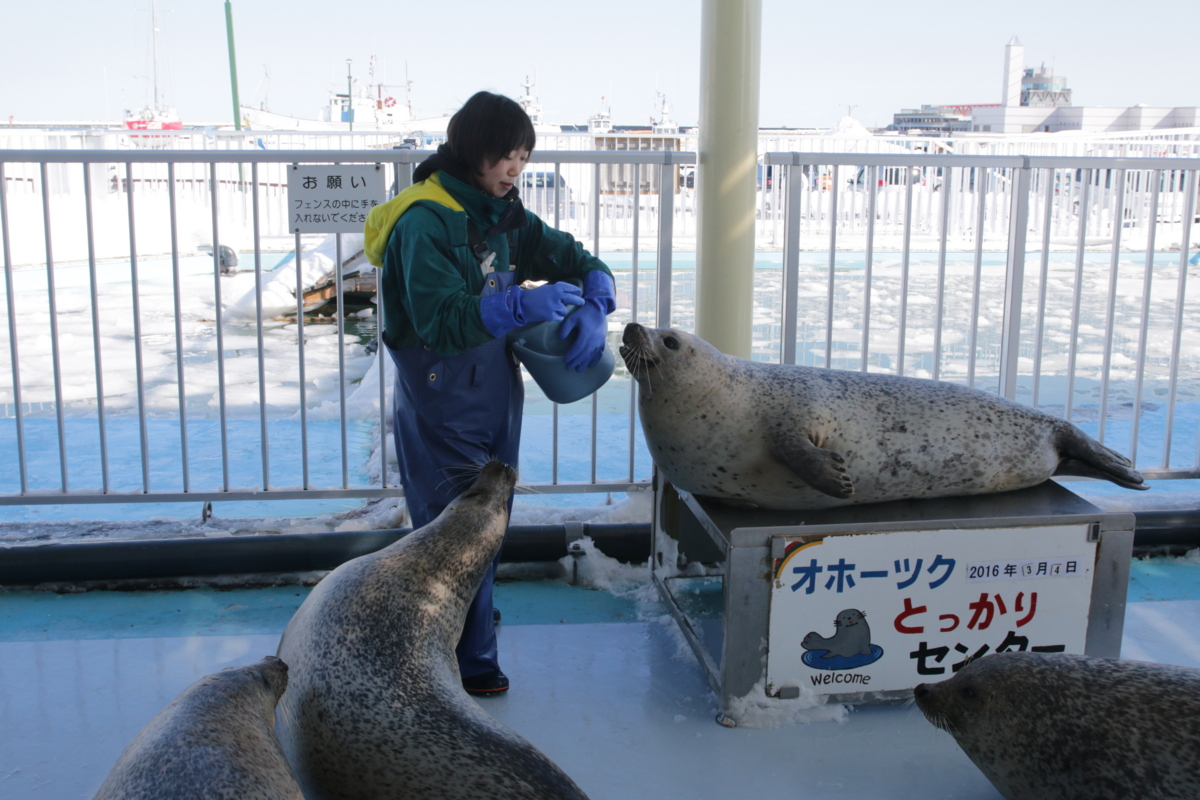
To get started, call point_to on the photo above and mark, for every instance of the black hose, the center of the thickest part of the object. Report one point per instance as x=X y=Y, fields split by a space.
x=1174 y=530
x=286 y=552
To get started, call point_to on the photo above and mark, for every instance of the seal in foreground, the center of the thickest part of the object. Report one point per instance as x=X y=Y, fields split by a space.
x=788 y=437
x=217 y=739
x=376 y=707
x=1051 y=726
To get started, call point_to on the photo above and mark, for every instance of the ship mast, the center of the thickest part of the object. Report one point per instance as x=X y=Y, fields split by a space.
x=154 y=47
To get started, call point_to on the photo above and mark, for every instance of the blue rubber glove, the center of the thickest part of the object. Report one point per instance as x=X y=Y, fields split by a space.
x=502 y=312
x=590 y=322
x=515 y=306
x=549 y=303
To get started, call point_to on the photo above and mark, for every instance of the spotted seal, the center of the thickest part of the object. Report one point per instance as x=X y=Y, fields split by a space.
x=376 y=707
x=851 y=636
x=216 y=739
x=1051 y=726
x=789 y=437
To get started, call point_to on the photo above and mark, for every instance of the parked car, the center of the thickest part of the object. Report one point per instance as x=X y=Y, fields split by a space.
x=537 y=193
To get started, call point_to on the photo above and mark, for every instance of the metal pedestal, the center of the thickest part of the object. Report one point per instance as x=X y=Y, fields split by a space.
x=713 y=567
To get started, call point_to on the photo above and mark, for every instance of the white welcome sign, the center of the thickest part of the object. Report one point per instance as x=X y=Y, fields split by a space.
x=887 y=611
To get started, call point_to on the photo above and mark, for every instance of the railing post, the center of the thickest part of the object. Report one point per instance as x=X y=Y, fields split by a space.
x=14 y=359
x=791 y=260
x=1018 y=230
x=1189 y=214
x=666 y=236
x=402 y=171
x=834 y=213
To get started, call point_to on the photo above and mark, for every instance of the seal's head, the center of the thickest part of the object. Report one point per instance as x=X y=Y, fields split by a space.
x=454 y=550
x=849 y=618
x=272 y=673
x=1053 y=725
x=491 y=487
x=668 y=354
x=959 y=705
x=254 y=685
x=1002 y=711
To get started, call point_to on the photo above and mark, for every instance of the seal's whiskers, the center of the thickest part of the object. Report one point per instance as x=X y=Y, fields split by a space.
x=458 y=475
x=285 y=712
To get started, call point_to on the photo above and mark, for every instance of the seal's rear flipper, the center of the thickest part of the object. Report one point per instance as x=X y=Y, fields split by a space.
x=1122 y=476
x=823 y=470
x=1084 y=457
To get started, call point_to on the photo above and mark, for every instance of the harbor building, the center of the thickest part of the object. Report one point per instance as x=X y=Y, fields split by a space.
x=1035 y=100
x=933 y=119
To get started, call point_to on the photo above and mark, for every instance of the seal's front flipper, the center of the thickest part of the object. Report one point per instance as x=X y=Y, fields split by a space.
x=732 y=502
x=823 y=470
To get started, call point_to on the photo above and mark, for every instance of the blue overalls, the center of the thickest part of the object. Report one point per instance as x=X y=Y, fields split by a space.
x=451 y=414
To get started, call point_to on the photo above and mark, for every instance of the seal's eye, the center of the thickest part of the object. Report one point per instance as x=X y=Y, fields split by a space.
x=969 y=692
x=671 y=343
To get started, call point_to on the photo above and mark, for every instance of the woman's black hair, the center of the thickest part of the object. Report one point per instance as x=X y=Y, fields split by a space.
x=486 y=129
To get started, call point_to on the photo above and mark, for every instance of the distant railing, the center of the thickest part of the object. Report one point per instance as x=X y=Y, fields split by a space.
x=921 y=220
x=135 y=374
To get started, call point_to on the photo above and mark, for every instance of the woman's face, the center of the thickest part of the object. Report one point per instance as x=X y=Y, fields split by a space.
x=497 y=179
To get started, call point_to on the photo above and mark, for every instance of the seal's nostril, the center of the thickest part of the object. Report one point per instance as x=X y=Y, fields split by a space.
x=920 y=691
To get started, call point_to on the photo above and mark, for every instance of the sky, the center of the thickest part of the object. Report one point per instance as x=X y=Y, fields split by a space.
x=71 y=60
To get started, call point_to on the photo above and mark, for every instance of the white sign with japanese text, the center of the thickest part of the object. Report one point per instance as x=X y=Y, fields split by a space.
x=886 y=611
x=326 y=198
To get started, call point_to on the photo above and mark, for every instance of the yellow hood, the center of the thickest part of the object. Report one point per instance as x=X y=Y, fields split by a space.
x=383 y=218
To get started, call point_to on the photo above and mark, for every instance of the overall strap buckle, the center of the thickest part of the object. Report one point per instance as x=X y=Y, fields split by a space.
x=480 y=248
x=479 y=245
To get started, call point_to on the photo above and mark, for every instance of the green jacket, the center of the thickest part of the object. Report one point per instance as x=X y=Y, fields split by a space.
x=431 y=279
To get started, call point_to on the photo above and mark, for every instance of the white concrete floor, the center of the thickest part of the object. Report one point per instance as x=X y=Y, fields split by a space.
x=614 y=703
x=609 y=702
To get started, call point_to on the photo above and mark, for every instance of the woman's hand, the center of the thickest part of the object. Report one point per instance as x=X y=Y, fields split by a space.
x=549 y=303
x=590 y=321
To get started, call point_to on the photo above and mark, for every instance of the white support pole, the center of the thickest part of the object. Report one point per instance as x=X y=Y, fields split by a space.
x=730 y=47
x=1014 y=282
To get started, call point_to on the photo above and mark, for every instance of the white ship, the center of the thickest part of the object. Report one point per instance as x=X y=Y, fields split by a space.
x=363 y=107
x=374 y=107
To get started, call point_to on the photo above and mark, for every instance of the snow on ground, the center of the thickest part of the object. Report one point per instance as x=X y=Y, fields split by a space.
x=279 y=289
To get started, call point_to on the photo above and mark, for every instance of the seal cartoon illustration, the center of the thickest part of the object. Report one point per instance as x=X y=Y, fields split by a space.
x=851 y=636
x=849 y=647
x=1052 y=726
x=789 y=437
x=216 y=739
x=376 y=707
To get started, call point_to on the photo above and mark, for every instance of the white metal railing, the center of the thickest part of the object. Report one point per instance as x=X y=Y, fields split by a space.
x=161 y=377
x=896 y=216
x=1030 y=294
x=1038 y=198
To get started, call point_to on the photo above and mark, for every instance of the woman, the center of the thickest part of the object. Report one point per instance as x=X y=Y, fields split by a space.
x=455 y=248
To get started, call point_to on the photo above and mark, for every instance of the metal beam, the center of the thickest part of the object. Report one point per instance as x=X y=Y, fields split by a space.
x=54 y=497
